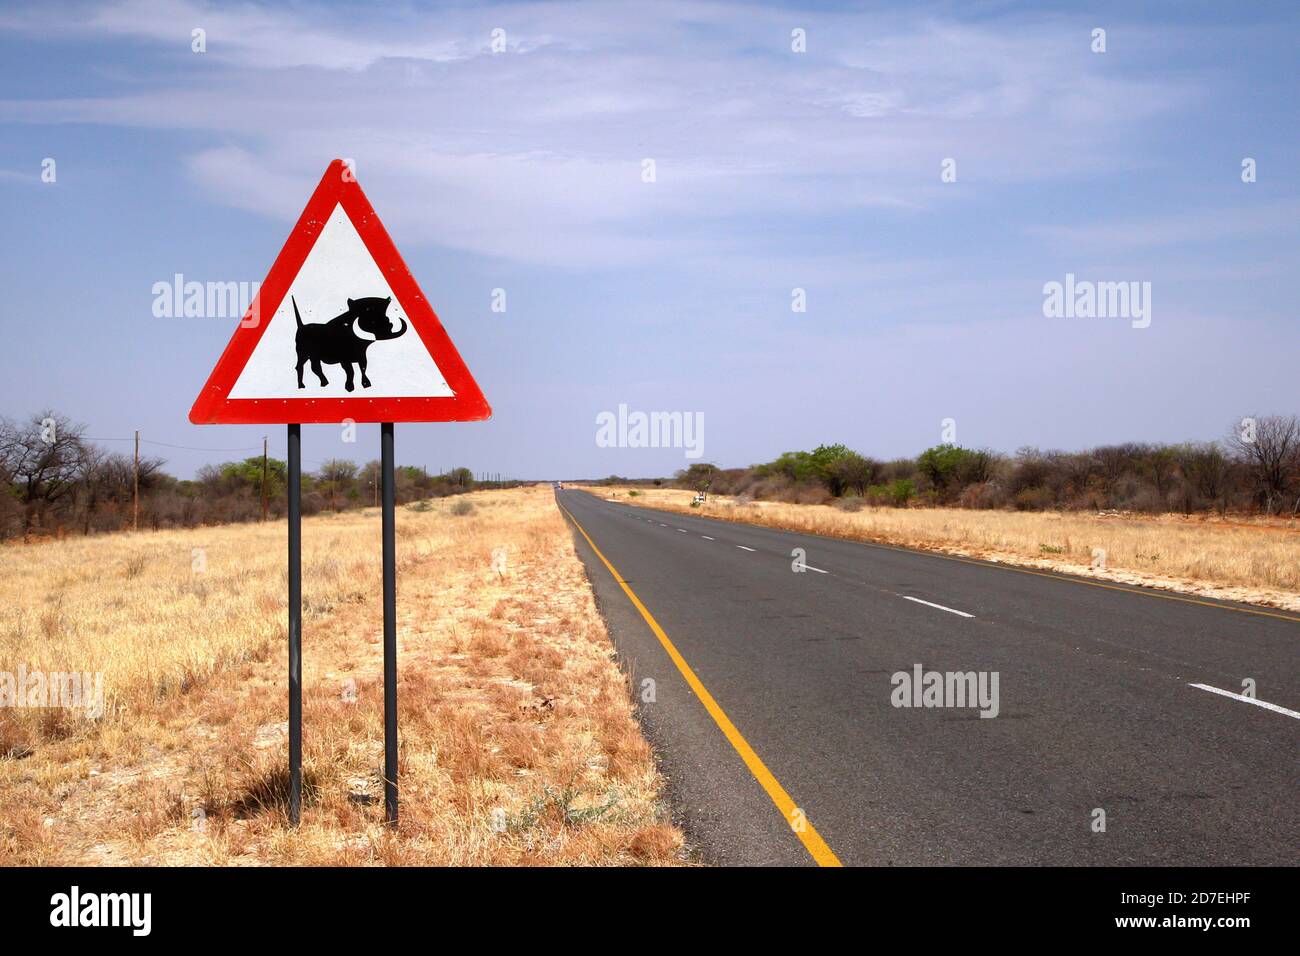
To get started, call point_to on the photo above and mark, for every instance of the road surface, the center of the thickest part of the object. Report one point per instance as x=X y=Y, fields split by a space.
x=772 y=703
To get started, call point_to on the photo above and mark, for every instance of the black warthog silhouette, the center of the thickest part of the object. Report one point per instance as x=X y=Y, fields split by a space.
x=343 y=340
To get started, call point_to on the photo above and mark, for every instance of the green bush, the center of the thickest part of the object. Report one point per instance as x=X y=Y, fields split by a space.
x=945 y=465
x=901 y=491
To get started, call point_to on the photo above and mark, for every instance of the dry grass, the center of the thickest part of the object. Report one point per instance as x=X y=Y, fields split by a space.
x=518 y=741
x=1257 y=562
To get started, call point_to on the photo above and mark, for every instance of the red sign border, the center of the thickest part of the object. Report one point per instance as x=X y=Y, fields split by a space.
x=339 y=187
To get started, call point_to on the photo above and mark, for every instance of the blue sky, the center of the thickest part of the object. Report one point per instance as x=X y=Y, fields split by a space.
x=775 y=170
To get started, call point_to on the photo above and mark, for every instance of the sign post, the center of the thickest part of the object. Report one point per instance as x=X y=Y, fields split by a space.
x=295 y=624
x=390 y=627
x=340 y=299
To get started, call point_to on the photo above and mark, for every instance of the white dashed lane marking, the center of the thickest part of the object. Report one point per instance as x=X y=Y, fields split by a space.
x=939 y=606
x=1247 y=700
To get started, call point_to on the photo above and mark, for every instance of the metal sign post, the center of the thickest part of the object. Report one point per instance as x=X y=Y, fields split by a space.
x=295 y=624
x=390 y=627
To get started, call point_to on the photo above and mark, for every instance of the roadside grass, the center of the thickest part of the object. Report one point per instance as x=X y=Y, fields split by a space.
x=518 y=740
x=1254 y=562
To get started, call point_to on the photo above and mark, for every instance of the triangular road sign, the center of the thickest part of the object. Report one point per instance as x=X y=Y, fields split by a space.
x=339 y=330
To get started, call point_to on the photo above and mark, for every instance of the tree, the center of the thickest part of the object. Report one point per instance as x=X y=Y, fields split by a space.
x=824 y=459
x=461 y=478
x=699 y=476
x=815 y=465
x=337 y=474
x=1157 y=464
x=795 y=465
x=1207 y=470
x=1271 y=452
x=1116 y=461
x=43 y=458
x=1031 y=471
x=856 y=472
x=337 y=470
x=941 y=464
x=901 y=491
x=1079 y=470
x=109 y=477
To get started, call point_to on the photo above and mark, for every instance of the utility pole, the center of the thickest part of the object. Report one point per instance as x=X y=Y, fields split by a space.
x=264 y=503
x=135 y=482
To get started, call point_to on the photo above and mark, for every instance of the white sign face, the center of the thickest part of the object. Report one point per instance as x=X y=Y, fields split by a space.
x=340 y=332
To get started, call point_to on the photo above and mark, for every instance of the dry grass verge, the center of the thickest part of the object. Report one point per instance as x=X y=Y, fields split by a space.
x=1255 y=562
x=518 y=740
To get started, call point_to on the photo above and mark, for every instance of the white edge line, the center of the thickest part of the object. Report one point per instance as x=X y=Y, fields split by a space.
x=743 y=548
x=939 y=606
x=1249 y=700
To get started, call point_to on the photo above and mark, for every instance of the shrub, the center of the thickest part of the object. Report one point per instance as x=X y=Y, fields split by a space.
x=462 y=508
x=901 y=491
x=983 y=495
x=1031 y=472
x=942 y=464
x=1032 y=499
x=813 y=495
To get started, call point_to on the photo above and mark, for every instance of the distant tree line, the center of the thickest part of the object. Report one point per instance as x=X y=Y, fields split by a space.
x=1254 y=469
x=55 y=481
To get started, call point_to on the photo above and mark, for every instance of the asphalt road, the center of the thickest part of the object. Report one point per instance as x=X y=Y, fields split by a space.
x=1095 y=705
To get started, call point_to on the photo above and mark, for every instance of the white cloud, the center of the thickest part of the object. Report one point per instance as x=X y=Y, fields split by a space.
x=534 y=155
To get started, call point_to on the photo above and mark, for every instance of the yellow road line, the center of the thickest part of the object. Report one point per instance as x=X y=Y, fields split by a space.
x=1056 y=576
x=809 y=836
